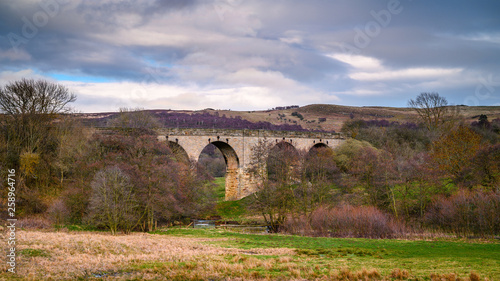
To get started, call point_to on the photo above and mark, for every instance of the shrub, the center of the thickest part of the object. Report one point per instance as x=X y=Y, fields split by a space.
x=76 y=201
x=466 y=213
x=58 y=212
x=347 y=151
x=298 y=115
x=209 y=121
x=29 y=201
x=349 y=221
x=34 y=222
x=212 y=161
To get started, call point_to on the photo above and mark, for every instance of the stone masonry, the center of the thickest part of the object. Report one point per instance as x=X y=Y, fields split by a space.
x=236 y=146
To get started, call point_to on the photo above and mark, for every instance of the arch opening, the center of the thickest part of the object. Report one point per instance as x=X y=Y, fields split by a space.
x=230 y=156
x=283 y=162
x=319 y=164
x=213 y=162
x=232 y=164
x=317 y=148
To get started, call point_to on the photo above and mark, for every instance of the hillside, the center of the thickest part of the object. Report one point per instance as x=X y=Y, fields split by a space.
x=323 y=117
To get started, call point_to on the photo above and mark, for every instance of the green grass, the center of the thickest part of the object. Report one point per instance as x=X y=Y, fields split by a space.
x=420 y=258
x=220 y=188
x=228 y=210
x=34 y=253
x=76 y=227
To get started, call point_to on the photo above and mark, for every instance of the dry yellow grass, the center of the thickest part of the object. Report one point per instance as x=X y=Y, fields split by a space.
x=141 y=256
x=73 y=255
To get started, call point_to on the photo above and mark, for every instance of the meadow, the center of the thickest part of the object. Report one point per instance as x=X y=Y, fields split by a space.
x=214 y=254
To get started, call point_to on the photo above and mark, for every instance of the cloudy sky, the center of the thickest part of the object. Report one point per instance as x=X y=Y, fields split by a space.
x=254 y=54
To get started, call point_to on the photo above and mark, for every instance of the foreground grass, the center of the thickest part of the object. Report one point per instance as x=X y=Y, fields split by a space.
x=420 y=258
x=192 y=254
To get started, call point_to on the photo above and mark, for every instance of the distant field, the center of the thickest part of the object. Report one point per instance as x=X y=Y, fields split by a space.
x=188 y=254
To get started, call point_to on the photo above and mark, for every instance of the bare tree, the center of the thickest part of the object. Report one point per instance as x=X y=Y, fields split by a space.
x=431 y=108
x=113 y=203
x=30 y=106
x=29 y=96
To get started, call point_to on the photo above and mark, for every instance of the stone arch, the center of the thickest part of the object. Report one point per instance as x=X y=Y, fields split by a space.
x=284 y=145
x=230 y=156
x=319 y=144
x=232 y=165
x=316 y=146
x=287 y=146
x=179 y=151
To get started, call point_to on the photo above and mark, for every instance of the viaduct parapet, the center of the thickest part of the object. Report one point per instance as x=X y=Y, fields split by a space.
x=236 y=146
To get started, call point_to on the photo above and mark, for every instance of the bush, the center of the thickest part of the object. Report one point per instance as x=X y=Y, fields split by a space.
x=348 y=221
x=467 y=213
x=76 y=201
x=29 y=201
x=298 y=115
x=58 y=212
x=347 y=151
x=34 y=222
x=212 y=161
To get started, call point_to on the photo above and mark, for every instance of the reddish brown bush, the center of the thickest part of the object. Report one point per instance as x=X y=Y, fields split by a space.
x=58 y=212
x=34 y=222
x=348 y=221
x=467 y=213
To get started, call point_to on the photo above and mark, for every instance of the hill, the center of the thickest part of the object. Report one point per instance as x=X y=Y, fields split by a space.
x=315 y=117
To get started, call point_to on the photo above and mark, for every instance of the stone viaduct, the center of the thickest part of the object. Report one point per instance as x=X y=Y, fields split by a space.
x=236 y=146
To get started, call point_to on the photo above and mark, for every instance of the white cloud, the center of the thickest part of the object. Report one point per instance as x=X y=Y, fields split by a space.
x=357 y=61
x=193 y=97
x=361 y=92
x=239 y=54
x=484 y=37
x=371 y=69
x=293 y=37
x=152 y=38
x=405 y=74
x=251 y=76
x=370 y=77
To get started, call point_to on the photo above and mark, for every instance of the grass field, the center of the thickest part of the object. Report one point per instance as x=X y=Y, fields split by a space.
x=193 y=254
